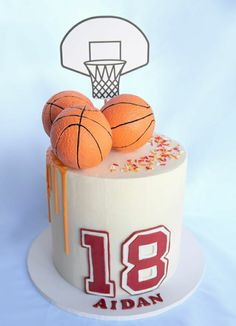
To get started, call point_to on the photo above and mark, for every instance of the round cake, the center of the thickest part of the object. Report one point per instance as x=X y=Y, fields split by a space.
x=116 y=228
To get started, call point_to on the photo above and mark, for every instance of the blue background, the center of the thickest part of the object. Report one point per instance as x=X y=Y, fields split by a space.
x=191 y=84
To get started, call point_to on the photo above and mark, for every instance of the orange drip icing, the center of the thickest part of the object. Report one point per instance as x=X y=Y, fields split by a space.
x=52 y=159
x=49 y=185
x=63 y=171
x=55 y=189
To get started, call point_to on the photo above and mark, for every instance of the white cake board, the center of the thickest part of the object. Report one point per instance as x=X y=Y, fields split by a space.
x=173 y=292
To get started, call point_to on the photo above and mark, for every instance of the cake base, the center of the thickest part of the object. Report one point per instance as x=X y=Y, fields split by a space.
x=172 y=293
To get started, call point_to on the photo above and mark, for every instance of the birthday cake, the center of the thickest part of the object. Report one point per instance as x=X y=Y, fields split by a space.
x=115 y=187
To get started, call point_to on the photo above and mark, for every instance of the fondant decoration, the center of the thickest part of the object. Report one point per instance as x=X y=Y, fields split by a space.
x=132 y=121
x=98 y=281
x=52 y=163
x=144 y=255
x=124 y=304
x=81 y=137
x=170 y=294
x=58 y=103
x=101 y=201
x=104 y=48
x=160 y=153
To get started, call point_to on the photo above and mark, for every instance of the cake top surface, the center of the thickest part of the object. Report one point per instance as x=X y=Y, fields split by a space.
x=161 y=154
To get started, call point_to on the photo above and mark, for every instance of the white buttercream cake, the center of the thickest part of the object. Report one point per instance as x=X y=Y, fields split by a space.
x=116 y=228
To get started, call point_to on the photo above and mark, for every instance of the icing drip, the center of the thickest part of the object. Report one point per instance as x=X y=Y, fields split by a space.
x=55 y=163
x=49 y=185
x=55 y=189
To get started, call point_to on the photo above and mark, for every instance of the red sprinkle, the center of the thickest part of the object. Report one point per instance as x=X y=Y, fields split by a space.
x=160 y=153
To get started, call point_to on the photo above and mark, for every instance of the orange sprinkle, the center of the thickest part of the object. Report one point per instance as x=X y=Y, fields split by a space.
x=160 y=153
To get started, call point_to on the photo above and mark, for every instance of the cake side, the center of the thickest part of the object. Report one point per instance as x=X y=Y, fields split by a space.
x=123 y=205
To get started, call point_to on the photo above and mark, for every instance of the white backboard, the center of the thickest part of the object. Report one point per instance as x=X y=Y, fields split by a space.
x=104 y=38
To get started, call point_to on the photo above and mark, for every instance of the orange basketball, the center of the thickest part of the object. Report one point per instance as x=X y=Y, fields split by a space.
x=58 y=103
x=81 y=137
x=132 y=121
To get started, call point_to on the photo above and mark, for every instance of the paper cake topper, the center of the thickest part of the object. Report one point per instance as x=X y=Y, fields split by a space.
x=104 y=48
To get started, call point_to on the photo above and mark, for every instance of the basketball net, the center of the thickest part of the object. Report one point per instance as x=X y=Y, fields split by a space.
x=105 y=77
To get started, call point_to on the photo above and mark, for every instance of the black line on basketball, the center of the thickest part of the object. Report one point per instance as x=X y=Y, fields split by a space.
x=126 y=123
x=143 y=106
x=66 y=116
x=51 y=107
x=78 y=138
x=84 y=117
x=72 y=124
x=74 y=106
x=53 y=104
x=59 y=98
x=138 y=137
x=50 y=114
x=64 y=96
x=94 y=140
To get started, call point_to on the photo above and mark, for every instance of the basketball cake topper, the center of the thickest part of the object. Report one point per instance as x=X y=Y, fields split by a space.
x=104 y=48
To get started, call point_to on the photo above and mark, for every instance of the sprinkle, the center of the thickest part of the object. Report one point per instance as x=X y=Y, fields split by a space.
x=114 y=167
x=161 y=151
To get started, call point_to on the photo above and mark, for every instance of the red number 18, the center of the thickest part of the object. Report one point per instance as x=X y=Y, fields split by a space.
x=143 y=254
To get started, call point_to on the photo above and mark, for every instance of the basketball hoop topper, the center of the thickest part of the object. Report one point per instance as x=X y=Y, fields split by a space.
x=104 y=48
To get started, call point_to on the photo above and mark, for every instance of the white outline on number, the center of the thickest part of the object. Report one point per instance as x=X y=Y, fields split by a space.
x=90 y=278
x=129 y=266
